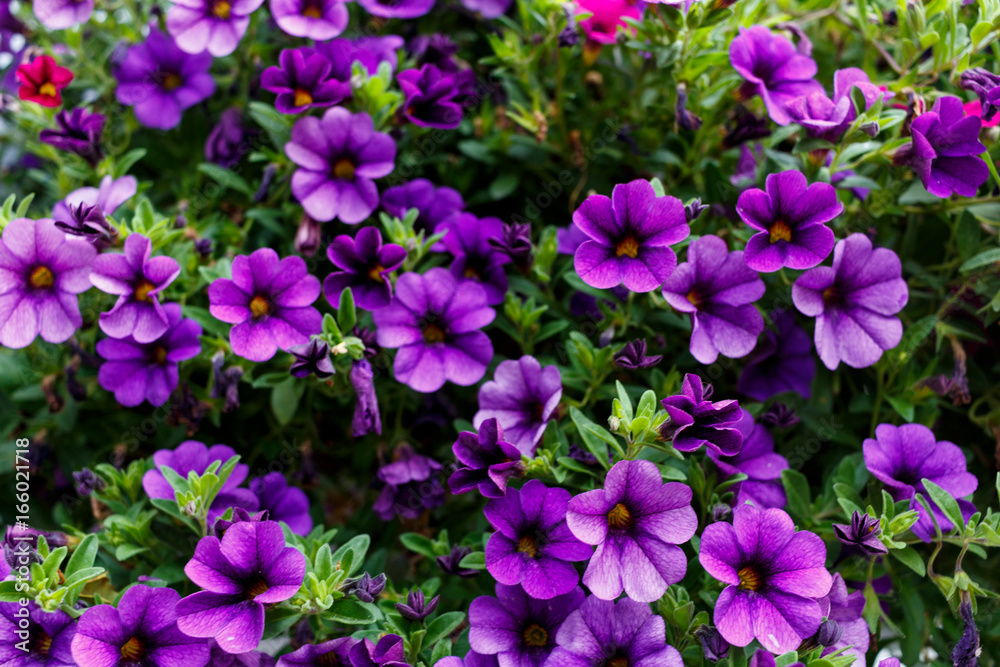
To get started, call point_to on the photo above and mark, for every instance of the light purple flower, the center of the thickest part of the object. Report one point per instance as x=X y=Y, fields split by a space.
x=302 y=80
x=318 y=20
x=488 y=9
x=782 y=362
x=334 y=652
x=397 y=9
x=827 y=118
x=759 y=462
x=467 y=238
x=412 y=485
x=430 y=97
x=846 y=610
x=433 y=204
x=366 y=267
x=522 y=397
x=695 y=420
x=62 y=14
x=486 y=461
x=47 y=635
x=216 y=26
x=111 y=194
x=283 y=502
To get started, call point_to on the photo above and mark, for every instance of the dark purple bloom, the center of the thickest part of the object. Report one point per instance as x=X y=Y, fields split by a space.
x=901 y=457
x=338 y=158
x=515 y=242
x=759 y=462
x=532 y=545
x=430 y=97
x=270 y=302
x=137 y=279
x=827 y=118
x=486 y=461
x=967 y=651
x=366 y=413
x=213 y=25
x=434 y=49
x=46 y=635
x=633 y=355
x=160 y=81
x=602 y=633
x=468 y=239
x=283 y=502
x=62 y=14
x=779 y=415
x=412 y=484
x=220 y=658
x=434 y=204
x=944 y=150
x=862 y=535
x=854 y=302
x=630 y=235
x=519 y=629
x=397 y=9
x=313 y=358
x=416 y=608
x=713 y=645
x=87 y=221
x=333 y=652
x=790 y=218
x=522 y=396
x=389 y=652
x=226 y=143
x=845 y=611
x=302 y=80
x=87 y=482
x=226 y=383
x=452 y=563
x=985 y=84
x=636 y=521
x=41 y=272
x=369 y=52
x=248 y=568
x=366 y=587
x=318 y=20
x=142 y=630
x=696 y=421
x=774 y=574
x=782 y=362
x=111 y=194
x=79 y=132
x=435 y=322
x=366 y=265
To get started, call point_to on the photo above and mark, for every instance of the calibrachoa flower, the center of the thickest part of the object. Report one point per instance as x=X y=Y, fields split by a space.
x=602 y=633
x=845 y=609
x=468 y=239
x=249 y=568
x=633 y=356
x=488 y=9
x=46 y=635
x=827 y=118
x=366 y=265
x=901 y=457
x=774 y=574
x=338 y=158
x=759 y=462
x=41 y=272
x=630 y=235
x=318 y=20
x=522 y=396
x=42 y=81
x=412 y=485
x=388 y=652
x=302 y=80
x=160 y=81
x=517 y=627
x=79 y=132
x=782 y=362
x=532 y=545
x=142 y=630
x=717 y=289
x=862 y=535
x=220 y=658
x=696 y=421
x=283 y=502
x=635 y=520
x=269 y=300
x=430 y=98
x=486 y=461
x=137 y=279
x=790 y=217
x=854 y=303
x=435 y=322
x=313 y=358
x=606 y=17
x=109 y=196
x=366 y=413
x=215 y=26
x=226 y=143
x=397 y=9
x=333 y=652
x=416 y=608
x=62 y=14
x=433 y=204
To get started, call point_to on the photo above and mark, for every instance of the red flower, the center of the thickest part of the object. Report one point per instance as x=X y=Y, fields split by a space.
x=41 y=80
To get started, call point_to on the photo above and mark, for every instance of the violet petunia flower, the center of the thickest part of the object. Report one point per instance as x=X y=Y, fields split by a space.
x=759 y=462
x=367 y=418
x=397 y=9
x=522 y=397
x=388 y=652
x=845 y=609
x=160 y=80
x=41 y=272
x=46 y=635
x=827 y=118
x=570 y=238
x=862 y=535
x=435 y=322
x=774 y=574
x=142 y=630
x=369 y=52
x=695 y=420
x=269 y=300
x=302 y=80
x=486 y=461
x=366 y=265
x=433 y=204
x=62 y=14
x=789 y=216
x=717 y=289
x=137 y=279
x=88 y=222
x=417 y=608
x=239 y=515
x=773 y=69
x=518 y=629
x=488 y=9
x=429 y=98
x=602 y=633
x=636 y=521
x=365 y=588
x=248 y=568
x=318 y=20
x=79 y=133
x=216 y=26
x=227 y=143
x=901 y=457
x=633 y=355
x=109 y=196
x=313 y=358
x=854 y=302
x=468 y=238
x=630 y=237
x=283 y=502
x=782 y=362
x=944 y=150
x=220 y=658
x=333 y=652
x=338 y=158
x=451 y=563
x=532 y=545
x=412 y=485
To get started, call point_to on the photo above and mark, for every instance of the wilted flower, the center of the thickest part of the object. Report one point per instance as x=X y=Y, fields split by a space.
x=412 y=485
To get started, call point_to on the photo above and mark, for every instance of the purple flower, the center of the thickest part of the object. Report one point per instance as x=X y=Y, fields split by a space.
x=302 y=79
x=434 y=204
x=365 y=588
x=774 y=574
x=248 y=568
x=854 y=302
x=142 y=630
x=486 y=461
x=718 y=289
x=338 y=156
x=269 y=300
x=773 y=69
x=389 y=652
x=160 y=80
x=366 y=414
x=430 y=98
x=370 y=52
x=411 y=486
x=318 y=20
x=789 y=217
x=137 y=280
x=986 y=85
x=758 y=461
x=901 y=457
x=366 y=265
x=845 y=610
x=226 y=143
x=522 y=396
x=519 y=629
x=862 y=535
x=782 y=362
x=436 y=49
x=488 y=9
x=515 y=242
x=46 y=635
x=451 y=563
x=79 y=132
x=633 y=355
x=313 y=358
x=397 y=9
x=213 y=25
x=630 y=235
x=220 y=658
x=828 y=119
x=111 y=194
x=62 y=14
x=435 y=322
x=334 y=652
x=532 y=545
x=468 y=239
x=282 y=502
x=696 y=421
x=570 y=238
x=602 y=633
x=944 y=150
x=239 y=515
x=635 y=520
x=416 y=608
x=89 y=222
x=41 y=272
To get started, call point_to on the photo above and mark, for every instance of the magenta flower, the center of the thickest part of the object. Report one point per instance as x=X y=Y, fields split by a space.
x=302 y=80
x=790 y=218
x=854 y=302
x=522 y=397
x=759 y=462
x=606 y=18
x=467 y=238
x=62 y=14
x=486 y=461
x=434 y=204
x=41 y=272
x=630 y=235
x=696 y=421
x=216 y=26
x=318 y=20
x=366 y=267
x=430 y=97
x=782 y=362
x=635 y=520
x=774 y=574
x=270 y=302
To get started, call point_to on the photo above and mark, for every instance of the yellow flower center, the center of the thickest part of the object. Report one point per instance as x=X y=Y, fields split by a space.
x=780 y=231
x=617 y=662
x=302 y=97
x=831 y=296
x=42 y=643
x=260 y=307
x=344 y=168
x=172 y=81
x=433 y=333
x=255 y=588
x=48 y=89
x=142 y=291
x=312 y=11
x=694 y=298
x=619 y=517
x=375 y=273
x=134 y=649
x=535 y=635
x=221 y=9
x=41 y=277
x=527 y=545
x=160 y=355
x=627 y=246
x=749 y=579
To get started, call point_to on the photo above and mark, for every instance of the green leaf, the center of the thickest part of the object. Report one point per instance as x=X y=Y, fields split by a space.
x=285 y=399
x=911 y=559
x=351 y=612
x=902 y=406
x=125 y=551
x=227 y=178
x=985 y=258
x=418 y=543
x=474 y=561
x=442 y=626
x=347 y=317
x=797 y=489
x=358 y=548
x=595 y=438
x=624 y=400
x=946 y=502
x=503 y=186
x=83 y=556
